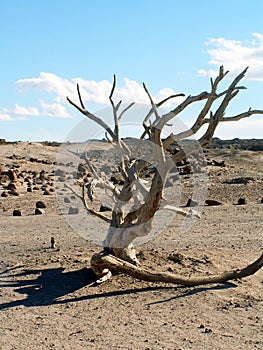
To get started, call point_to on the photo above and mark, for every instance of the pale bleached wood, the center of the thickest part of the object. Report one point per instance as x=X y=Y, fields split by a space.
x=147 y=200
x=112 y=263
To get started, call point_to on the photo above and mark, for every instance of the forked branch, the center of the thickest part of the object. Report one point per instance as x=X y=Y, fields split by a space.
x=145 y=201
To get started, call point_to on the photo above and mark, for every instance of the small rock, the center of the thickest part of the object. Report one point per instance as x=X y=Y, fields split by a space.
x=12 y=186
x=28 y=180
x=40 y=204
x=39 y=211
x=114 y=180
x=218 y=163
x=261 y=201
x=104 y=208
x=17 y=212
x=42 y=175
x=29 y=189
x=59 y=172
x=12 y=175
x=46 y=193
x=61 y=179
x=241 y=201
x=53 y=243
x=191 y=203
x=4 y=194
x=13 y=193
x=212 y=202
x=66 y=200
x=73 y=211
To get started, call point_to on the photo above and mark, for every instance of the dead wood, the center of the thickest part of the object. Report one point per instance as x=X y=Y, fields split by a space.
x=146 y=198
x=111 y=263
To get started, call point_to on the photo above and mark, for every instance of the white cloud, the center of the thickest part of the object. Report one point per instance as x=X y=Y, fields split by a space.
x=48 y=82
x=45 y=109
x=93 y=92
x=54 y=110
x=24 y=111
x=5 y=118
x=235 y=56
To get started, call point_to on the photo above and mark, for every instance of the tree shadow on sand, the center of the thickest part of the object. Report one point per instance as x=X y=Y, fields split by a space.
x=54 y=286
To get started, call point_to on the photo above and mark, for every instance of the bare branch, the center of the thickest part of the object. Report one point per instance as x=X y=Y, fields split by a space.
x=183 y=212
x=80 y=98
x=154 y=108
x=93 y=118
x=113 y=87
x=242 y=115
x=125 y=110
x=95 y=174
x=84 y=201
x=102 y=261
x=189 y=100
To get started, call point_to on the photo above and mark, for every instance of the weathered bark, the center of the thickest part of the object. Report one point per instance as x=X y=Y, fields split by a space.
x=125 y=226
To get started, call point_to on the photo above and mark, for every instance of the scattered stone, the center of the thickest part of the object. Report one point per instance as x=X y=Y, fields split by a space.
x=73 y=211
x=12 y=175
x=53 y=243
x=61 y=179
x=104 y=208
x=39 y=211
x=216 y=163
x=40 y=204
x=17 y=212
x=185 y=169
x=241 y=201
x=12 y=186
x=59 y=172
x=239 y=181
x=114 y=180
x=46 y=193
x=13 y=193
x=28 y=180
x=212 y=202
x=42 y=175
x=191 y=203
x=176 y=258
x=29 y=189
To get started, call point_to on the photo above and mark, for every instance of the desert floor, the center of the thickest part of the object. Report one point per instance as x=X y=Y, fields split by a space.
x=48 y=299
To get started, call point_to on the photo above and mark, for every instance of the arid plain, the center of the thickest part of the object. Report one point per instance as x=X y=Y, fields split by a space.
x=48 y=299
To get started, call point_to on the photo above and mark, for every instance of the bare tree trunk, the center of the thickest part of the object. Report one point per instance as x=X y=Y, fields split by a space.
x=119 y=254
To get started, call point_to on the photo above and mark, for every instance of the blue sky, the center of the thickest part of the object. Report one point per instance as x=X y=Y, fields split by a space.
x=47 y=46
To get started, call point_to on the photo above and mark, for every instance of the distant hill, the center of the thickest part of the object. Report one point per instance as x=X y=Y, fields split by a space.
x=245 y=144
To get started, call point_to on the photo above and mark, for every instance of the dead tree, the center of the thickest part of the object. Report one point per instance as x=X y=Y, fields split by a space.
x=124 y=227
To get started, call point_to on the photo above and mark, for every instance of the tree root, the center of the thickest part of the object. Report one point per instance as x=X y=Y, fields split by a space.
x=102 y=263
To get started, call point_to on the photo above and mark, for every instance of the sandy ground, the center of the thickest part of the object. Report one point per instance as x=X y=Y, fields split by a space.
x=48 y=299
